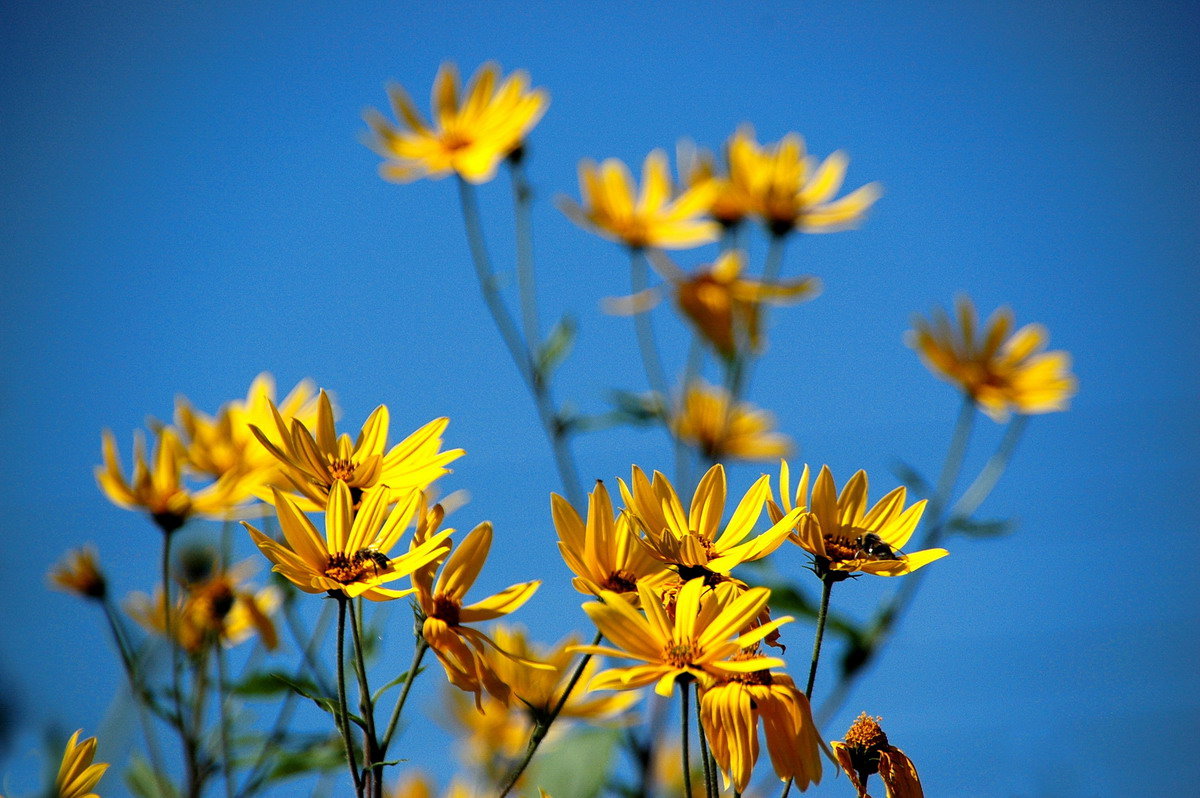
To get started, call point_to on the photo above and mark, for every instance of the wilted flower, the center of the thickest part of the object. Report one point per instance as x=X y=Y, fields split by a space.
x=1002 y=373
x=866 y=751
x=469 y=138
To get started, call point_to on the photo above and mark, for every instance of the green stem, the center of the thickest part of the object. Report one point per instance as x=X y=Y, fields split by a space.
x=955 y=454
x=556 y=431
x=522 y=206
x=373 y=770
x=223 y=697
x=418 y=653
x=542 y=727
x=822 y=615
x=343 y=707
x=687 y=768
x=644 y=327
x=986 y=481
x=773 y=265
x=710 y=777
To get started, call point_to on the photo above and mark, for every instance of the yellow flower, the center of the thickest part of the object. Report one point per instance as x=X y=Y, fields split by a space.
x=77 y=775
x=1002 y=373
x=844 y=537
x=462 y=649
x=79 y=573
x=789 y=190
x=866 y=751
x=701 y=641
x=724 y=306
x=469 y=138
x=224 y=444
x=690 y=541
x=604 y=553
x=488 y=740
x=731 y=202
x=158 y=487
x=418 y=785
x=744 y=432
x=352 y=558
x=654 y=218
x=313 y=464
x=730 y=711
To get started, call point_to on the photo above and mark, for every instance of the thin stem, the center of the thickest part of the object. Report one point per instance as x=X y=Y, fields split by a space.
x=691 y=372
x=983 y=484
x=372 y=769
x=773 y=265
x=710 y=777
x=955 y=453
x=343 y=707
x=822 y=615
x=308 y=649
x=543 y=726
x=522 y=206
x=418 y=653
x=537 y=383
x=687 y=769
x=223 y=697
x=644 y=327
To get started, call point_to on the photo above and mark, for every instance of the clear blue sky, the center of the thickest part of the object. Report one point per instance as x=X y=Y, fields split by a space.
x=187 y=203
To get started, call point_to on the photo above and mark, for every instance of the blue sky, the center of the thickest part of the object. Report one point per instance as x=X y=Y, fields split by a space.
x=188 y=204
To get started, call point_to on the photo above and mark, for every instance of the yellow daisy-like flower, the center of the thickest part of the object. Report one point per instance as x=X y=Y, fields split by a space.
x=604 y=553
x=352 y=557
x=157 y=487
x=461 y=649
x=78 y=775
x=225 y=444
x=487 y=741
x=692 y=541
x=724 y=306
x=1002 y=371
x=844 y=537
x=469 y=138
x=731 y=202
x=709 y=628
x=655 y=217
x=730 y=711
x=313 y=464
x=866 y=751
x=743 y=432
x=418 y=785
x=79 y=573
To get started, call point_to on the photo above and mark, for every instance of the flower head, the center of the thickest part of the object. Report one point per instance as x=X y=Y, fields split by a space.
x=743 y=431
x=1001 y=372
x=655 y=217
x=352 y=558
x=731 y=710
x=468 y=138
x=844 y=537
x=604 y=553
x=692 y=540
x=698 y=640
x=314 y=463
x=866 y=751
x=79 y=573
x=77 y=775
x=157 y=486
x=461 y=649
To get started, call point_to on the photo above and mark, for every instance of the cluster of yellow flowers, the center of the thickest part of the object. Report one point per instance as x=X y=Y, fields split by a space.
x=660 y=573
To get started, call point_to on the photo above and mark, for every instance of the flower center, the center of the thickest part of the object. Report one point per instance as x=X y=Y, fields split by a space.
x=342 y=468
x=620 y=582
x=345 y=569
x=866 y=733
x=446 y=609
x=454 y=140
x=679 y=655
x=839 y=548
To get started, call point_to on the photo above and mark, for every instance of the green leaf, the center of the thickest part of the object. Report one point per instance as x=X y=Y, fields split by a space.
x=555 y=348
x=638 y=408
x=323 y=754
x=310 y=691
x=574 y=766
x=911 y=477
x=401 y=679
x=263 y=684
x=142 y=781
x=980 y=529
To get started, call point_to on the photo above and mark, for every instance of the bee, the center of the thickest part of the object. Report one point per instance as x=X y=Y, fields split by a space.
x=378 y=560
x=873 y=547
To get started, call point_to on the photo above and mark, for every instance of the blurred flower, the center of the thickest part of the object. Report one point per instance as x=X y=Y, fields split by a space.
x=79 y=573
x=731 y=201
x=701 y=641
x=844 y=537
x=719 y=431
x=462 y=649
x=313 y=464
x=158 y=487
x=866 y=751
x=724 y=306
x=690 y=540
x=489 y=739
x=1002 y=373
x=655 y=218
x=604 y=553
x=352 y=558
x=417 y=784
x=225 y=444
x=77 y=775
x=730 y=711
x=469 y=138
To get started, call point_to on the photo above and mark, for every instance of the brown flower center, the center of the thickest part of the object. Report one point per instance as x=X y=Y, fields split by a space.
x=839 y=548
x=620 y=582
x=342 y=468
x=454 y=140
x=762 y=677
x=446 y=609
x=679 y=655
x=866 y=733
x=345 y=569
